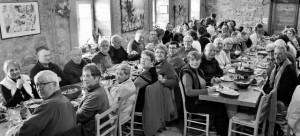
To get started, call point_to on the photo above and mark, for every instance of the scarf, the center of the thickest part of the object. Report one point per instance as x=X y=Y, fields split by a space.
x=273 y=105
x=12 y=86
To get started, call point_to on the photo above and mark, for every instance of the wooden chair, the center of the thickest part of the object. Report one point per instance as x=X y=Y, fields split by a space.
x=188 y=117
x=108 y=127
x=261 y=117
x=126 y=102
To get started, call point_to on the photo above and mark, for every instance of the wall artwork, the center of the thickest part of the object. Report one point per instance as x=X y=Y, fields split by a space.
x=132 y=15
x=19 y=19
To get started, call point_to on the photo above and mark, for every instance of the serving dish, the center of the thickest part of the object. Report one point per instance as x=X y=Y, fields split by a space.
x=242 y=83
x=230 y=94
x=71 y=91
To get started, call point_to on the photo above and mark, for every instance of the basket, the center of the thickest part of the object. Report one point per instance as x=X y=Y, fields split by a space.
x=72 y=95
x=242 y=83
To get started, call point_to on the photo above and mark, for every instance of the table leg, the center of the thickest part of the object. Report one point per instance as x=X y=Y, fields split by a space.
x=231 y=110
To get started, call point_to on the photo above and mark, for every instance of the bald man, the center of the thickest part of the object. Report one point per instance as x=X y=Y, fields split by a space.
x=210 y=65
x=73 y=69
x=55 y=115
x=116 y=52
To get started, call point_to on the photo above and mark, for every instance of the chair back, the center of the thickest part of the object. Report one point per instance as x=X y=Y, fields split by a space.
x=263 y=108
x=109 y=126
x=183 y=98
x=128 y=100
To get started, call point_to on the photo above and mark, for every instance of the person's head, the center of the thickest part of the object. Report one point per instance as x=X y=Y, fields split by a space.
x=178 y=37
x=46 y=83
x=139 y=36
x=209 y=51
x=194 y=59
x=123 y=73
x=76 y=55
x=228 y=44
x=116 y=41
x=104 y=46
x=169 y=27
x=185 y=26
x=173 y=47
x=152 y=36
x=284 y=38
x=147 y=59
x=11 y=69
x=150 y=47
x=201 y=30
x=218 y=43
x=160 y=33
x=280 y=53
x=191 y=24
x=193 y=34
x=259 y=29
x=179 y=29
x=225 y=28
x=187 y=42
x=270 y=49
x=235 y=36
x=213 y=15
x=290 y=33
x=43 y=54
x=90 y=75
x=160 y=52
x=244 y=36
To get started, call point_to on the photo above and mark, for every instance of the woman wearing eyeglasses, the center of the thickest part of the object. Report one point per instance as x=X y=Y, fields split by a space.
x=16 y=87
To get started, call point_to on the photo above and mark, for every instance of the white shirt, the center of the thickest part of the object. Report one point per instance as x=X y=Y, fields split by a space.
x=222 y=59
x=197 y=45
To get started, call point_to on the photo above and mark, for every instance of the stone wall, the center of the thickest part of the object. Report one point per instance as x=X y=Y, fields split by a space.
x=244 y=12
x=54 y=34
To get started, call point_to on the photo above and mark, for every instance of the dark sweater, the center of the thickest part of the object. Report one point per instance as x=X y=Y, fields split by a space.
x=73 y=71
x=168 y=37
x=203 y=41
x=286 y=87
x=12 y=101
x=51 y=66
x=210 y=68
x=117 y=55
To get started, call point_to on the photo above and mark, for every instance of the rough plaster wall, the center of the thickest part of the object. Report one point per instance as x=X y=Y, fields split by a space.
x=54 y=34
x=181 y=11
x=244 y=12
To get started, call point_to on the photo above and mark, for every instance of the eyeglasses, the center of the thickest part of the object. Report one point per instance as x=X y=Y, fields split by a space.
x=42 y=85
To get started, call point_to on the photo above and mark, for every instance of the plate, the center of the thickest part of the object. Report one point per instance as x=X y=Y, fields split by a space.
x=230 y=94
x=263 y=65
x=231 y=71
x=259 y=71
x=227 y=78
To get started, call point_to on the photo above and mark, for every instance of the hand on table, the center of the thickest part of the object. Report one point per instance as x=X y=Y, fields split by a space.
x=215 y=80
x=211 y=90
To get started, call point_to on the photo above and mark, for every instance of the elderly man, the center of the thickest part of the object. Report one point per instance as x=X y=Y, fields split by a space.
x=73 y=69
x=44 y=63
x=136 y=46
x=102 y=58
x=188 y=46
x=116 y=51
x=153 y=37
x=173 y=57
x=281 y=83
x=270 y=49
x=55 y=115
x=210 y=65
x=95 y=100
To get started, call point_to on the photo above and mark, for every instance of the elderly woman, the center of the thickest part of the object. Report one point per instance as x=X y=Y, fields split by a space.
x=227 y=47
x=124 y=86
x=147 y=77
x=16 y=87
x=295 y=40
x=188 y=46
x=221 y=56
x=102 y=58
x=166 y=76
x=194 y=85
x=95 y=100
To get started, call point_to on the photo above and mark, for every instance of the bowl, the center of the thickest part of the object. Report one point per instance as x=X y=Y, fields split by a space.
x=71 y=91
x=244 y=72
x=242 y=83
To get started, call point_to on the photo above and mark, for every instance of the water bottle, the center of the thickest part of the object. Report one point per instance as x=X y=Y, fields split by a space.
x=23 y=111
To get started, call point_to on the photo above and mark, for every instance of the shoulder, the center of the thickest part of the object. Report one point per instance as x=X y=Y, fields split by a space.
x=253 y=35
x=131 y=43
x=68 y=64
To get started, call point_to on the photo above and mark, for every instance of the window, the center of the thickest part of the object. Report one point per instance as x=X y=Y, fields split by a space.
x=84 y=22
x=160 y=12
x=195 y=9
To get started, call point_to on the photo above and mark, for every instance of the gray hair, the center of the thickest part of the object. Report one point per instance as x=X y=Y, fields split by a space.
x=103 y=42
x=270 y=47
x=227 y=40
x=209 y=45
x=281 y=46
x=162 y=47
x=9 y=63
x=49 y=75
x=75 y=49
x=218 y=40
x=187 y=37
x=116 y=37
x=125 y=68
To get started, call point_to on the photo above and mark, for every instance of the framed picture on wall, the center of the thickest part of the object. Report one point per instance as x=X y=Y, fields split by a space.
x=19 y=19
x=132 y=15
x=163 y=9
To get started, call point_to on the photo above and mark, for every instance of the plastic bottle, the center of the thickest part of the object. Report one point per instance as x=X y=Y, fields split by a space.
x=23 y=111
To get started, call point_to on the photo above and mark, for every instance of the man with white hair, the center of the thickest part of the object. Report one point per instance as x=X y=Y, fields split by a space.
x=188 y=47
x=116 y=52
x=210 y=66
x=281 y=83
x=73 y=69
x=55 y=115
x=136 y=46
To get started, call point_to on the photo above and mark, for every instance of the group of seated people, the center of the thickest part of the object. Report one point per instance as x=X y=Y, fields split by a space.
x=196 y=56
